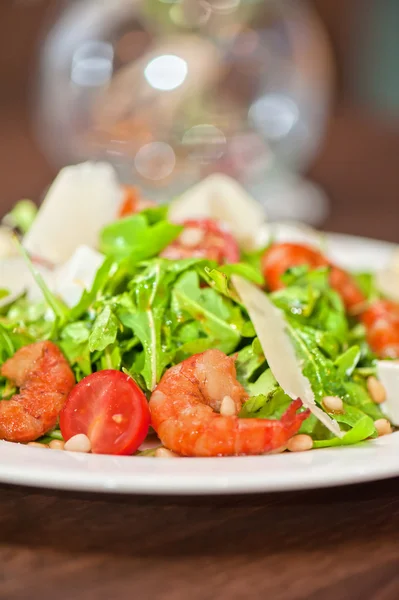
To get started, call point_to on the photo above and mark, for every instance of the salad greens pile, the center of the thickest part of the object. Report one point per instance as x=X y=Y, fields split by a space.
x=144 y=313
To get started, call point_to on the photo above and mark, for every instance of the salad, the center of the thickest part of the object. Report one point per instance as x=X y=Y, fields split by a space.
x=193 y=325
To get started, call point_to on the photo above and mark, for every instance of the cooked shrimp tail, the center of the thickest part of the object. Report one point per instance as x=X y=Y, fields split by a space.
x=45 y=379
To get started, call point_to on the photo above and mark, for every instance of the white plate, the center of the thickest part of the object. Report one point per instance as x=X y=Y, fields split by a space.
x=318 y=468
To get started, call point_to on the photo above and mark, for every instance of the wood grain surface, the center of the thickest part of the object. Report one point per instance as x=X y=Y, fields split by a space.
x=338 y=544
x=333 y=544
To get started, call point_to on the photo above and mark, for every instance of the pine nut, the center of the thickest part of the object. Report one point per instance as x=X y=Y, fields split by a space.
x=191 y=237
x=37 y=445
x=78 y=443
x=376 y=390
x=300 y=443
x=165 y=453
x=227 y=407
x=56 y=445
x=333 y=404
x=383 y=426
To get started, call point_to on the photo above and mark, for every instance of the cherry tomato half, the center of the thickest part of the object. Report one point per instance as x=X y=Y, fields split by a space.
x=110 y=408
x=204 y=238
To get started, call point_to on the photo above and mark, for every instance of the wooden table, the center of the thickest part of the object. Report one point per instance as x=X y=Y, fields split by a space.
x=335 y=544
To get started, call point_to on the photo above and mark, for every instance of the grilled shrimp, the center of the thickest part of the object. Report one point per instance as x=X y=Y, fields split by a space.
x=194 y=411
x=381 y=320
x=44 y=379
x=280 y=257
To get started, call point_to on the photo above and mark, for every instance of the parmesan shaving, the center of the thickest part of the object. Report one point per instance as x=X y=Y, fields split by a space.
x=81 y=201
x=270 y=326
x=388 y=374
x=387 y=279
x=222 y=198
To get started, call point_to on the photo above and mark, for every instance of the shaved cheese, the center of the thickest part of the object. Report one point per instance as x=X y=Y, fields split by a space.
x=77 y=274
x=17 y=279
x=220 y=197
x=270 y=327
x=388 y=374
x=387 y=279
x=67 y=281
x=80 y=202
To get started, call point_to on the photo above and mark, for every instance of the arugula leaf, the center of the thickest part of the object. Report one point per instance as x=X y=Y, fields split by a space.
x=104 y=274
x=6 y=345
x=329 y=316
x=319 y=369
x=266 y=406
x=302 y=276
x=74 y=343
x=217 y=317
x=78 y=356
x=133 y=236
x=267 y=400
x=111 y=358
x=248 y=362
x=358 y=397
x=274 y=402
x=59 y=309
x=366 y=282
x=311 y=302
x=254 y=259
x=26 y=323
x=105 y=330
x=265 y=384
x=347 y=361
x=361 y=428
x=77 y=332
x=23 y=311
x=219 y=278
x=219 y=282
x=154 y=214
x=146 y=321
x=244 y=270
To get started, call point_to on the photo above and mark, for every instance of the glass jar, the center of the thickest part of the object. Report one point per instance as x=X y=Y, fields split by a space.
x=169 y=91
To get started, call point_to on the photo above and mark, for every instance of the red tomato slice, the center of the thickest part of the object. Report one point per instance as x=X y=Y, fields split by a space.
x=204 y=238
x=110 y=408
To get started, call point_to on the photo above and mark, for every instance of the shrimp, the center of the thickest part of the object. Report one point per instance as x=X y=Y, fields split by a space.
x=280 y=257
x=185 y=411
x=45 y=379
x=204 y=238
x=381 y=320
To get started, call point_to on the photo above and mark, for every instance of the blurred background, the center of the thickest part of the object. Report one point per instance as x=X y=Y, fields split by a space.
x=299 y=101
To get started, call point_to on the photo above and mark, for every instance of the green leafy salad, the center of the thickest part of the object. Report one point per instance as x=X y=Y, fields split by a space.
x=142 y=313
